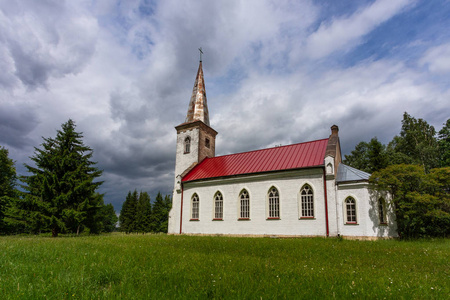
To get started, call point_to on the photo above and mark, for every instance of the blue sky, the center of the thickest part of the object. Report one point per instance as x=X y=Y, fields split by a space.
x=276 y=72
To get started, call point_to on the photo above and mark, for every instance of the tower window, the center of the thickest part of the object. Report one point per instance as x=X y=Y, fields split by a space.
x=187 y=145
x=207 y=143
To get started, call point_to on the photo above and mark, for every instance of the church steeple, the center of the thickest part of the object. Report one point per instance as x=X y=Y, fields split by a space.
x=198 y=107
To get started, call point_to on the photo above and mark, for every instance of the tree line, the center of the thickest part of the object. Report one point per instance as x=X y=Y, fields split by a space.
x=139 y=215
x=415 y=169
x=60 y=194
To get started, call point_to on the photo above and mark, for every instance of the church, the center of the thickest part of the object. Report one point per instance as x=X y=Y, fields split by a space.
x=296 y=190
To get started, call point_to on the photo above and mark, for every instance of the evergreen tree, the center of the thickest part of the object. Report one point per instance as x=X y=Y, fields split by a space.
x=61 y=192
x=108 y=218
x=143 y=214
x=128 y=212
x=123 y=222
x=7 y=186
x=160 y=213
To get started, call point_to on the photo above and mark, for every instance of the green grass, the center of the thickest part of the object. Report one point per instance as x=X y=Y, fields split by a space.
x=161 y=267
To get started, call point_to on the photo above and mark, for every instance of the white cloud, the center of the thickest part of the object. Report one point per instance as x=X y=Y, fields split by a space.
x=344 y=33
x=437 y=59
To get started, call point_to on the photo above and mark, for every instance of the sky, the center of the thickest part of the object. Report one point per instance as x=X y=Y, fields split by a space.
x=276 y=72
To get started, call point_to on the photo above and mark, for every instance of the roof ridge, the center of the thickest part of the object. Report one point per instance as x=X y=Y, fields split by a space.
x=274 y=147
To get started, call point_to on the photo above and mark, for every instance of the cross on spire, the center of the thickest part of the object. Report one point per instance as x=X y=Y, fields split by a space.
x=201 y=52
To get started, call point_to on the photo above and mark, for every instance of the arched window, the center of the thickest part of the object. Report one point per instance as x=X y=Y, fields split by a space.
x=274 y=203
x=329 y=168
x=245 y=205
x=307 y=202
x=187 y=145
x=195 y=205
x=218 y=206
x=350 y=209
x=381 y=211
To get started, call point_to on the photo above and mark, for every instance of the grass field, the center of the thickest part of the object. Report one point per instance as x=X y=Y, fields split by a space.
x=166 y=267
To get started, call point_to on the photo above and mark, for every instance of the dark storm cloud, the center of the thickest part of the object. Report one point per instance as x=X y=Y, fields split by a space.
x=16 y=123
x=43 y=39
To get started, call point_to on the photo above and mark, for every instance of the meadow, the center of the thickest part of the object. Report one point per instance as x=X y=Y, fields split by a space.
x=120 y=266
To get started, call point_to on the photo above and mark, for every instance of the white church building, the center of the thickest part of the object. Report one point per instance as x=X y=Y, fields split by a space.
x=302 y=189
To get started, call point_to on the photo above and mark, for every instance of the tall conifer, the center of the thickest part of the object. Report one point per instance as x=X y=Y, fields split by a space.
x=61 y=192
x=143 y=214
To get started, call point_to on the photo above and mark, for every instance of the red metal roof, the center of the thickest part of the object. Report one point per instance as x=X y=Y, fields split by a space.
x=295 y=156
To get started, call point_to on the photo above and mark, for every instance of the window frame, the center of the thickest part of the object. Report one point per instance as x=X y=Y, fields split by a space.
x=273 y=209
x=355 y=210
x=306 y=199
x=218 y=206
x=195 y=209
x=187 y=145
x=244 y=214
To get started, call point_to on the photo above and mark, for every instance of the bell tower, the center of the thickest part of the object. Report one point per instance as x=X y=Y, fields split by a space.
x=196 y=140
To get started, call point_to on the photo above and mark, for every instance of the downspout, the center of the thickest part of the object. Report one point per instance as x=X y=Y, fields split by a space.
x=326 y=200
x=181 y=210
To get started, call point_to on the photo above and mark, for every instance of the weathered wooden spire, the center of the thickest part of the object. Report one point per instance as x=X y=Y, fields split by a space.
x=198 y=107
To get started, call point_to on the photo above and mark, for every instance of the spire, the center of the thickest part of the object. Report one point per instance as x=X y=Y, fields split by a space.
x=198 y=107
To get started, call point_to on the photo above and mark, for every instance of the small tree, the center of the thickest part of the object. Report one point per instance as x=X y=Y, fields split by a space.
x=61 y=192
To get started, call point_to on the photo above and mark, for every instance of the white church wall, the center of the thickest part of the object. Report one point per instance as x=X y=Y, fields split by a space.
x=332 y=207
x=174 y=214
x=288 y=184
x=367 y=215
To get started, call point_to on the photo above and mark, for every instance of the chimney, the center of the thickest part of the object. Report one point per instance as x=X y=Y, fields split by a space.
x=334 y=130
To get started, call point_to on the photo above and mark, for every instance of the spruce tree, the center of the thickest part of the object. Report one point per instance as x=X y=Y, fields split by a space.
x=128 y=212
x=108 y=218
x=160 y=213
x=123 y=222
x=143 y=214
x=7 y=186
x=61 y=192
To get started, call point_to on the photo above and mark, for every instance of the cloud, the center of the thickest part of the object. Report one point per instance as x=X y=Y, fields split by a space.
x=43 y=39
x=437 y=59
x=344 y=33
x=16 y=122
